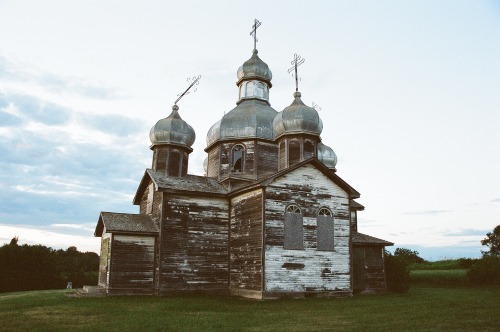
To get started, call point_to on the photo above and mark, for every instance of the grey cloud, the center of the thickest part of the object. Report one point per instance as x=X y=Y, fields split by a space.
x=115 y=124
x=468 y=232
x=9 y=71
x=8 y=120
x=495 y=200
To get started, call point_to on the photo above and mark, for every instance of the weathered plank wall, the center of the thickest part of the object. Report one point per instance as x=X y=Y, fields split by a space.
x=194 y=240
x=104 y=259
x=132 y=263
x=267 y=159
x=245 y=245
x=307 y=270
x=213 y=163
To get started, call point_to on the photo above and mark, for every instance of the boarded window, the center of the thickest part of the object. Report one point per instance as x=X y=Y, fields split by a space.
x=325 y=230
x=373 y=256
x=282 y=156
x=294 y=234
x=238 y=158
x=308 y=149
x=174 y=160
x=293 y=152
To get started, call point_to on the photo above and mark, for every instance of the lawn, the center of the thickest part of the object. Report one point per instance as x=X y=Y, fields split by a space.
x=421 y=309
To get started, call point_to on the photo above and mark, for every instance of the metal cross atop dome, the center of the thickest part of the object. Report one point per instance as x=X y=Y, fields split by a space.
x=194 y=81
x=297 y=61
x=254 y=33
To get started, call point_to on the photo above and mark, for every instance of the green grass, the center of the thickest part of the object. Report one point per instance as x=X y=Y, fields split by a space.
x=448 y=264
x=422 y=309
x=451 y=278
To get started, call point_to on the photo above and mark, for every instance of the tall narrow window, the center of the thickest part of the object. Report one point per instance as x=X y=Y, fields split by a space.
x=293 y=152
x=325 y=230
x=238 y=158
x=294 y=228
x=259 y=90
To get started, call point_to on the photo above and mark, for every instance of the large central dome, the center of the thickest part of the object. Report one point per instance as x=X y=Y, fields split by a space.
x=253 y=116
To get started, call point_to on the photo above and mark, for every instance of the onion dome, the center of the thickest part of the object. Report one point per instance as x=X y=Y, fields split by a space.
x=172 y=130
x=252 y=118
x=297 y=118
x=254 y=68
x=327 y=156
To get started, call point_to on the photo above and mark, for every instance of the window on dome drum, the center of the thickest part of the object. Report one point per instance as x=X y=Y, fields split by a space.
x=294 y=228
x=249 y=89
x=308 y=149
x=238 y=158
x=293 y=152
x=259 y=91
x=174 y=160
x=325 y=230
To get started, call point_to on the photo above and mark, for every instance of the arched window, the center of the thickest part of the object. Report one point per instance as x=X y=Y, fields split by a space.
x=294 y=225
x=259 y=90
x=238 y=158
x=308 y=149
x=249 y=89
x=325 y=229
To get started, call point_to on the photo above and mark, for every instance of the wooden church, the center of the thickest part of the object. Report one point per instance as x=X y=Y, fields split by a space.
x=270 y=218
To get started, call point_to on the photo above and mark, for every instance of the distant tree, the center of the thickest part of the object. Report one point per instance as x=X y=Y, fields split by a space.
x=492 y=240
x=410 y=256
x=32 y=267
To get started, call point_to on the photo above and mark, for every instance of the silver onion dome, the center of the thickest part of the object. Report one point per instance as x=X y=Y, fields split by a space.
x=254 y=68
x=297 y=118
x=172 y=130
x=327 y=156
x=252 y=118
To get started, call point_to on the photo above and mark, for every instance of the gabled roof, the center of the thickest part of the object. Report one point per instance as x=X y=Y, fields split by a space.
x=125 y=223
x=356 y=206
x=363 y=239
x=189 y=184
x=353 y=193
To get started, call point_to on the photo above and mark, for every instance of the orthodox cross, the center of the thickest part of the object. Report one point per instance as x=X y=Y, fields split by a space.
x=194 y=81
x=254 y=33
x=297 y=61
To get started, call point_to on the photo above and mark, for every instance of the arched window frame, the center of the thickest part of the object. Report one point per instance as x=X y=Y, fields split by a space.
x=234 y=160
x=293 y=228
x=325 y=230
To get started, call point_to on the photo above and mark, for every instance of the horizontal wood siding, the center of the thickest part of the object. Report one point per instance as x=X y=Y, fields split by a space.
x=246 y=241
x=267 y=163
x=307 y=270
x=132 y=262
x=213 y=163
x=194 y=237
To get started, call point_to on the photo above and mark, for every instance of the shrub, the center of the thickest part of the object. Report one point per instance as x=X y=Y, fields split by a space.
x=397 y=273
x=485 y=271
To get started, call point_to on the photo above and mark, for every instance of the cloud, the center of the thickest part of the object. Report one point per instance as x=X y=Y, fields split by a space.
x=495 y=200
x=112 y=124
x=429 y=212
x=468 y=232
x=12 y=72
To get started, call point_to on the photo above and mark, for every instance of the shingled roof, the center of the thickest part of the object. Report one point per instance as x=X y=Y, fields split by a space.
x=125 y=223
x=363 y=239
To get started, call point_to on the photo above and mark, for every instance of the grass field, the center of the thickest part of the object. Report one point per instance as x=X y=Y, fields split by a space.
x=421 y=309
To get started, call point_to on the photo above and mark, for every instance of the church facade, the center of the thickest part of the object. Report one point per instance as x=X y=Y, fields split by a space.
x=270 y=217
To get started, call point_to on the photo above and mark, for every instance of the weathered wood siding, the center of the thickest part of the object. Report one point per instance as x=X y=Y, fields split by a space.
x=194 y=239
x=267 y=159
x=132 y=264
x=307 y=270
x=104 y=259
x=246 y=242
x=213 y=162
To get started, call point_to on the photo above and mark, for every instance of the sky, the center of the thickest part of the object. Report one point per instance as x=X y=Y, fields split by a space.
x=408 y=92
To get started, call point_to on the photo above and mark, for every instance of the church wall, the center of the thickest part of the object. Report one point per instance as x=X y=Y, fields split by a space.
x=308 y=269
x=132 y=264
x=104 y=259
x=213 y=163
x=267 y=159
x=194 y=239
x=245 y=244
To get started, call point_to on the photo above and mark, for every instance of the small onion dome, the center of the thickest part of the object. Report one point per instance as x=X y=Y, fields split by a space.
x=252 y=118
x=172 y=130
x=297 y=118
x=327 y=156
x=255 y=68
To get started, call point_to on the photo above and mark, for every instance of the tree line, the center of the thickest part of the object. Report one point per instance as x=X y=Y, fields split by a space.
x=36 y=267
